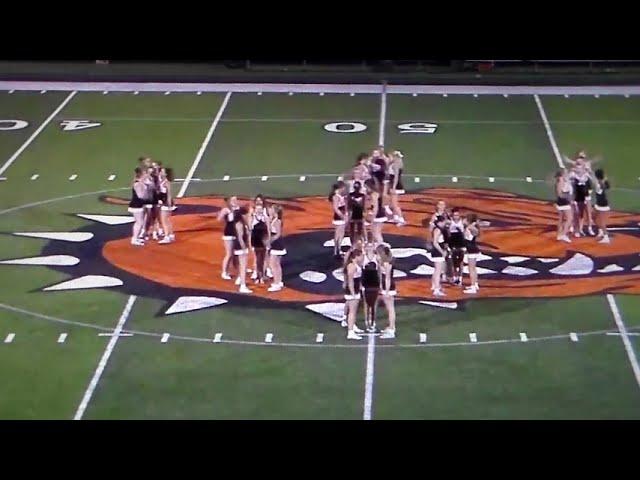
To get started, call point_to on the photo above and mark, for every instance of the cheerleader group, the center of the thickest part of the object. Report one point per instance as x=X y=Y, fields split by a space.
x=361 y=206
x=151 y=203
x=255 y=229
x=573 y=188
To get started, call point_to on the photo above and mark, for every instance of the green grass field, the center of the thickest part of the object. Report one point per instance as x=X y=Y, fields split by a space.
x=283 y=137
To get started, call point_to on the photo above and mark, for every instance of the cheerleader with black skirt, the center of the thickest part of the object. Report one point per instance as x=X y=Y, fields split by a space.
x=602 y=207
x=227 y=215
x=277 y=249
x=438 y=255
x=370 y=286
x=241 y=246
x=136 y=206
x=352 y=283
x=387 y=288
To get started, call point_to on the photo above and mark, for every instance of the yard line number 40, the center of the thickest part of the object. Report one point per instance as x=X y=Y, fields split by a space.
x=355 y=127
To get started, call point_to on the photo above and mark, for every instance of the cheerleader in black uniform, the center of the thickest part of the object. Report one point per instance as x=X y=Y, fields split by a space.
x=339 y=208
x=395 y=185
x=356 y=205
x=564 y=196
x=151 y=203
x=227 y=215
x=456 y=243
x=136 y=206
x=441 y=211
x=166 y=204
x=602 y=205
x=378 y=168
x=360 y=171
x=471 y=233
x=387 y=288
x=259 y=237
x=352 y=284
x=370 y=286
x=241 y=246
x=377 y=215
x=581 y=182
x=438 y=255
x=277 y=249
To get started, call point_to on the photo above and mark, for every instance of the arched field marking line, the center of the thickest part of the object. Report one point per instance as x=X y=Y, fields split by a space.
x=613 y=306
x=297 y=175
x=260 y=343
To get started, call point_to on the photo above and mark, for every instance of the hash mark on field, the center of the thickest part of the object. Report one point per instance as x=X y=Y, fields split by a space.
x=573 y=337
x=505 y=95
x=73 y=177
x=320 y=338
x=167 y=93
x=111 y=178
x=415 y=94
x=626 y=95
x=597 y=96
x=303 y=178
x=423 y=338
x=62 y=338
x=259 y=93
x=454 y=179
x=340 y=179
x=225 y=178
x=523 y=337
x=268 y=338
x=473 y=338
x=352 y=94
x=105 y=92
x=11 y=91
x=217 y=338
x=290 y=93
x=34 y=176
x=475 y=95
x=199 y=93
x=165 y=338
x=42 y=91
x=492 y=179
x=264 y=178
x=136 y=92
x=528 y=179
x=566 y=95
x=444 y=95
x=416 y=180
x=10 y=338
x=321 y=94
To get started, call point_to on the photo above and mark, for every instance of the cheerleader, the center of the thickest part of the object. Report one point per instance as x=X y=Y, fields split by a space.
x=360 y=171
x=581 y=183
x=441 y=211
x=352 y=280
x=378 y=168
x=166 y=204
x=471 y=233
x=376 y=212
x=227 y=215
x=456 y=243
x=370 y=286
x=387 y=288
x=602 y=204
x=396 y=164
x=151 y=203
x=356 y=205
x=563 y=204
x=438 y=255
x=259 y=237
x=136 y=206
x=241 y=246
x=277 y=248
x=339 y=208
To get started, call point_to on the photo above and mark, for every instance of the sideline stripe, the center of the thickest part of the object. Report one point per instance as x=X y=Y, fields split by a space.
x=383 y=114
x=105 y=358
x=547 y=127
x=368 y=388
x=33 y=136
x=206 y=141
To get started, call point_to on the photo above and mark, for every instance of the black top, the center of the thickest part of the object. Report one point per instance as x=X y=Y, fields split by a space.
x=136 y=201
x=601 y=193
x=370 y=277
x=356 y=205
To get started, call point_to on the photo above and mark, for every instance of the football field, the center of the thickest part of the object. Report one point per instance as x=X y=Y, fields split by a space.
x=94 y=328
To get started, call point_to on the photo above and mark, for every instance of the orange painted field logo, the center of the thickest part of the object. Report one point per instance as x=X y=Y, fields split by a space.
x=521 y=256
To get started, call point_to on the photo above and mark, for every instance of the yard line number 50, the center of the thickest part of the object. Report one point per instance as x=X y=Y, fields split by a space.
x=356 y=127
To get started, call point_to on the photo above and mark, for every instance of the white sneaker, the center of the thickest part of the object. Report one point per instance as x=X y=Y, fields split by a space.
x=254 y=275
x=165 y=240
x=476 y=286
x=605 y=239
x=352 y=335
x=225 y=276
x=600 y=233
x=274 y=288
x=344 y=323
x=137 y=242
x=172 y=237
x=577 y=234
x=154 y=235
x=238 y=281
x=244 y=289
x=590 y=230
x=439 y=293
x=388 y=333
x=357 y=330
x=269 y=274
x=565 y=238
x=471 y=289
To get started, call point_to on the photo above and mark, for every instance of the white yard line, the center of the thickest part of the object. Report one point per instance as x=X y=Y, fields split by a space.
x=622 y=328
x=369 y=376
x=610 y=298
x=383 y=114
x=33 y=136
x=105 y=358
x=203 y=147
